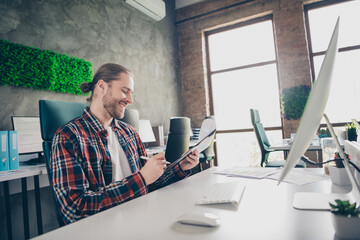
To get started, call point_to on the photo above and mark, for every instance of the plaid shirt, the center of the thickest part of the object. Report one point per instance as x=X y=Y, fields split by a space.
x=81 y=168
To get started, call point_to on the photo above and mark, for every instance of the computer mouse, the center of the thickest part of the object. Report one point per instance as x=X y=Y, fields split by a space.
x=200 y=219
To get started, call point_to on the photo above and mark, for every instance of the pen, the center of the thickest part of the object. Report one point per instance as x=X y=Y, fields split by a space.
x=147 y=158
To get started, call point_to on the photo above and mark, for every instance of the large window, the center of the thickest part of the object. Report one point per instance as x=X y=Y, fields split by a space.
x=243 y=74
x=344 y=100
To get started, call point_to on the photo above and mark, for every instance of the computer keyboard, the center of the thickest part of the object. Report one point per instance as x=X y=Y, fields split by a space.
x=227 y=192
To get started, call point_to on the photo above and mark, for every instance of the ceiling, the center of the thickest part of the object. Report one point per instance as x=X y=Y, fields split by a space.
x=184 y=3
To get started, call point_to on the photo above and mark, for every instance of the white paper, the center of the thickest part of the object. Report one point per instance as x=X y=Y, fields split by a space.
x=203 y=145
x=206 y=135
x=207 y=127
x=255 y=172
x=299 y=177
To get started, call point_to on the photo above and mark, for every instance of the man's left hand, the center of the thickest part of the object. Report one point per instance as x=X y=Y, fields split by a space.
x=190 y=161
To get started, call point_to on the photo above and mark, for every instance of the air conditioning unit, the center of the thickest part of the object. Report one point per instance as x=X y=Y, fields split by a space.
x=153 y=8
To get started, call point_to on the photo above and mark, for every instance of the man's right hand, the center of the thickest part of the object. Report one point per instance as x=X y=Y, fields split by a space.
x=153 y=168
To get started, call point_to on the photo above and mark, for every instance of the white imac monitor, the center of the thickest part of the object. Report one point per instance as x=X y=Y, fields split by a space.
x=308 y=126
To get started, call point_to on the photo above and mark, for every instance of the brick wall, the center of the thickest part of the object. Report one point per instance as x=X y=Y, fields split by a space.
x=290 y=40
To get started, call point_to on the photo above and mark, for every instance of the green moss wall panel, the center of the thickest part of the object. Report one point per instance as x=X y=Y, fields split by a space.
x=41 y=69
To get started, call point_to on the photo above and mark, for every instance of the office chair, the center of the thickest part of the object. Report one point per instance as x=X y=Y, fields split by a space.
x=54 y=114
x=265 y=144
x=178 y=138
x=131 y=117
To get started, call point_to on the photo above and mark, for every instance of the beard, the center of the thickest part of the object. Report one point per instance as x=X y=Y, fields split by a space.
x=111 y=105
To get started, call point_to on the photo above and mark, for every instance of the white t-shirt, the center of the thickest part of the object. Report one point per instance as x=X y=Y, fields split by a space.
x=120 y=164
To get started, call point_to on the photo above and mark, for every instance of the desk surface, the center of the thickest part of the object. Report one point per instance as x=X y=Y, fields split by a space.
x=23 y=171
x=265 y=212
x=286 y=147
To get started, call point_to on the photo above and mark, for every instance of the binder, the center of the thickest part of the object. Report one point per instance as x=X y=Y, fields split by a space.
x=13 y=150
x=4 y=151
x=159 y=137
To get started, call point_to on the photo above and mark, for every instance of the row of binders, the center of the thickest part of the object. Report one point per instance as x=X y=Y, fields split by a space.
x=9 y=151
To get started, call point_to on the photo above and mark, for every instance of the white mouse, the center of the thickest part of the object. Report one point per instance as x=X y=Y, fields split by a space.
x=200 y=219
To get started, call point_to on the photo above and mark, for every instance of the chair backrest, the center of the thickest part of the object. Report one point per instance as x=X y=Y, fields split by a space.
x=131 y=117
x=53 y=115
x=178 y=138
x=259 y=130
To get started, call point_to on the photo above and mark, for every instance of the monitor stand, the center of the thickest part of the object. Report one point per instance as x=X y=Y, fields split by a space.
x=320 y=201
x=34 y=161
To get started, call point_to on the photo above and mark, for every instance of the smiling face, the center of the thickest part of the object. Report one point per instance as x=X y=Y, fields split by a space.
x=118 y=95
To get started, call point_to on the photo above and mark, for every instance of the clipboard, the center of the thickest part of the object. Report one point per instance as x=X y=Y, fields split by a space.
x=187 y=153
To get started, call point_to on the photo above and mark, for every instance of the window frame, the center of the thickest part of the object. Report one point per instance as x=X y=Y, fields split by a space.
x=210 y=73
x=313 y=54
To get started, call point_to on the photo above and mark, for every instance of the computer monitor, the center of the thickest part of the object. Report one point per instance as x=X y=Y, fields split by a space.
x=308 y=126
x=29 y=134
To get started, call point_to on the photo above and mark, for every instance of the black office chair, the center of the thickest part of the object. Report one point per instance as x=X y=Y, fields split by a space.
x=54 y=114
x=265 y=144
x=178 y=138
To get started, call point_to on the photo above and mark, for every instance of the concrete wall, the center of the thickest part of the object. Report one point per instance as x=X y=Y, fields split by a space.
x=98 y=31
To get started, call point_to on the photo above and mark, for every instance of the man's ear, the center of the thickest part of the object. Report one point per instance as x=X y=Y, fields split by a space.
x=102 y=86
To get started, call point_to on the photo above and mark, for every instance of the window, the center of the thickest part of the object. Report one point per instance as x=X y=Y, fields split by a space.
x=243 y=74
x=321 y=18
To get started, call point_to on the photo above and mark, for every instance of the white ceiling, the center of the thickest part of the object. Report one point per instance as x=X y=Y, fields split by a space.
x=184 y=3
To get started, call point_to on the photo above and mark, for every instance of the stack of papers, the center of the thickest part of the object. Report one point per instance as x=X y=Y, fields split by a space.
x=254 y=172
x=296 y=176
x=299 y=177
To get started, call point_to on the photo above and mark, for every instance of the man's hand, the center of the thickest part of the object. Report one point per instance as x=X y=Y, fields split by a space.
x=153 y=168
x=190 y=161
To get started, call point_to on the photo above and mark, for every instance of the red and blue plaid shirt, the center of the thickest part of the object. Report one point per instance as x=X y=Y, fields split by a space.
x=81 y=168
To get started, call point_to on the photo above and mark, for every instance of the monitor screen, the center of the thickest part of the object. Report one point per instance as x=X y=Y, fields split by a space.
x=29 y=134
x=308 y=125
x=315 y=106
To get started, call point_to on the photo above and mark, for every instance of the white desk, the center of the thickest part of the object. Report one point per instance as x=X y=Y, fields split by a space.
x=286 y=147
x=315 y=146
x=158 y=149
x=22 y=173
x=265 y=212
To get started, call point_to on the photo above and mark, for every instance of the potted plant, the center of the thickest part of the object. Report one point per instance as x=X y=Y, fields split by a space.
x=322 y=133
x=293 y=101
x=338 y=172
x=351 y=131
x=346 y=219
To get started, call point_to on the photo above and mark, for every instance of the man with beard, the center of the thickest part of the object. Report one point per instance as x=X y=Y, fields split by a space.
x=95 y=158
